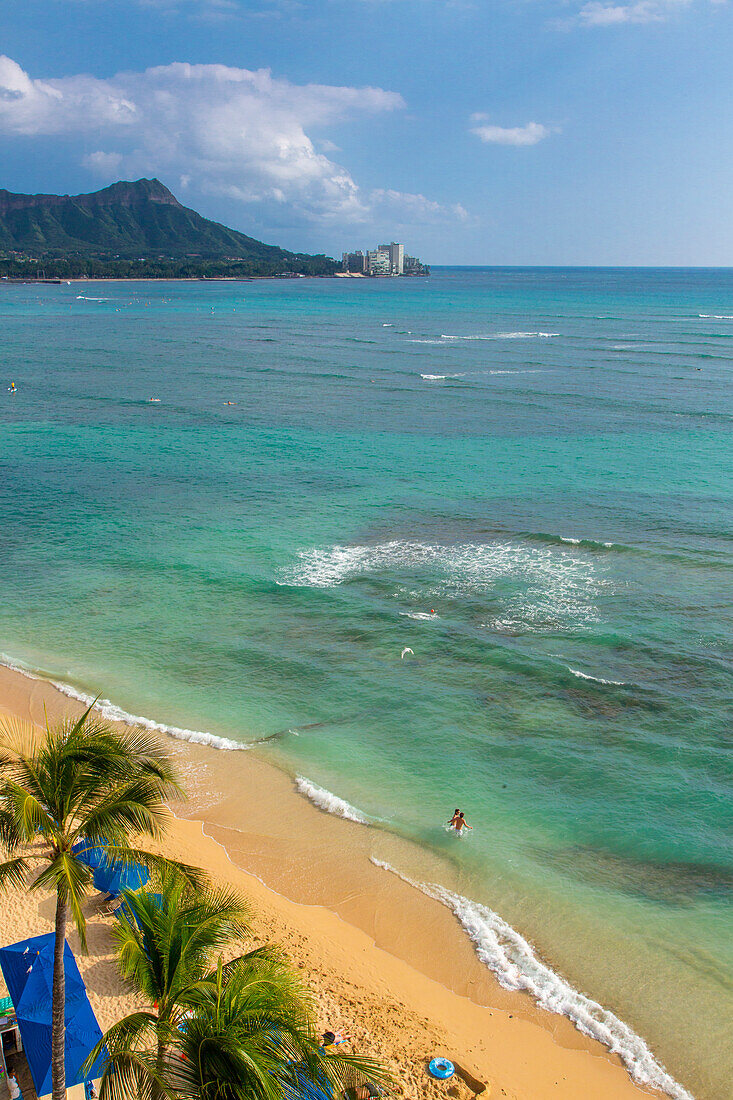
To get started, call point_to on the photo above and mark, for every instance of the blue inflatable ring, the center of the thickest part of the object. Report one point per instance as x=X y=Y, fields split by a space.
x=441 y=1068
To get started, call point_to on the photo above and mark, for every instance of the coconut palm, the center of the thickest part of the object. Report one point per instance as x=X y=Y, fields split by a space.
x=69 y=781
x=167 y=944
x=214 y=1031
x=250 y=1036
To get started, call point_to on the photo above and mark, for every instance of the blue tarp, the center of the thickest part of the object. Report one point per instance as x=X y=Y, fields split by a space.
x=28 y=971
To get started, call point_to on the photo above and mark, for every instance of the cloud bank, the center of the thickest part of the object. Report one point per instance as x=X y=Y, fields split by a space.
x=238 y=133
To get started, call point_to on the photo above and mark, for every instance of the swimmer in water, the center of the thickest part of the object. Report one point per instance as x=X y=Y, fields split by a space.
x=460 y=823
x=454 y=819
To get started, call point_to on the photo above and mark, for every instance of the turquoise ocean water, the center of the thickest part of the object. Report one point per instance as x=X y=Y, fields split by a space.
x=524 y=476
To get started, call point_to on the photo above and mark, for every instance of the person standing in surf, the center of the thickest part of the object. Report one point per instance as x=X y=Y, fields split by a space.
x=458 y=822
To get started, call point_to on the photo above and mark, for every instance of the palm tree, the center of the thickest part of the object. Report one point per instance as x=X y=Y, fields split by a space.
x=69 y=781
x=250 y=1036
x=166 y=947
x=215 y=1031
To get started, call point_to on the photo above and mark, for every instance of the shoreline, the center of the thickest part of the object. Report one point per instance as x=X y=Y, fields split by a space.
x=321 y=875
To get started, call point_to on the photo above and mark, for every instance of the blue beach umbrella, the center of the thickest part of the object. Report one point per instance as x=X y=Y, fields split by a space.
x=27 y=968
x=119 y=877
x=93 y=856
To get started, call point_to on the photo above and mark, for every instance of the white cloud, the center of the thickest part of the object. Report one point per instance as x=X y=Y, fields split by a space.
x=230 y=132
x=600 y=13
x=413 y=209
x=105 y=164
x=529 y=134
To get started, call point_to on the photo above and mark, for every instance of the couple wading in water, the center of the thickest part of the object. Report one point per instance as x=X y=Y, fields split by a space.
x=458 y=822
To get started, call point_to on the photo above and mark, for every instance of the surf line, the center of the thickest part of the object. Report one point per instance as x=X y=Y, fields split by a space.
x=516 y=966
x=113 y=713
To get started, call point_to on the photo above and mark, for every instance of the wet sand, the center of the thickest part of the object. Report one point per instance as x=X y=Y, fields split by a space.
x=388 y=964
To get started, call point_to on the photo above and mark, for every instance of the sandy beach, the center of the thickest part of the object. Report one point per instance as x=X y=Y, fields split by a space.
x=389 y=965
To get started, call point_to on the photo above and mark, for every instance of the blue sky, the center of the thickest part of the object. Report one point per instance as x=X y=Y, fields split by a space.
x=477 y=131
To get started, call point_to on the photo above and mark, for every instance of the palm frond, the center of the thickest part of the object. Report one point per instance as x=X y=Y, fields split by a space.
x=10 y=837
x=133 y=1075
x=65 y=873
x=18 y=737
x=14 y=872
x=29 y=814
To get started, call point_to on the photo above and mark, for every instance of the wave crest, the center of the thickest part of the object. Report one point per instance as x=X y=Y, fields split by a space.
x=331 y=803
x=595 y=679
x=113 y=713
x=502 y=336
x=517 y=967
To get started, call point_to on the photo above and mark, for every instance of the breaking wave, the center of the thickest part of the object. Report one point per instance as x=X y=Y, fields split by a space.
x=716 y=316
x=329 y=802
x=567 y=540
x=531 y=588
x=502 y=336
x=114 y=713
x=595 y=679
x=440 y=377
x=517 y=967
x=84 y=298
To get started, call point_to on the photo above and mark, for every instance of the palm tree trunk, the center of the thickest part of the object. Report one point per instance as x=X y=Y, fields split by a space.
x=156 y=1092
x=58 y=1014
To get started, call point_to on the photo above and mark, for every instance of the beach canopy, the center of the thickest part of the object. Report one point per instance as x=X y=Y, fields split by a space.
x=111 y=875
x=91 y=855
x=28 y=971
x=115 y=878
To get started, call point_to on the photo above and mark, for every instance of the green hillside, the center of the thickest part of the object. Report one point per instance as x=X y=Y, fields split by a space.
x=126 y=225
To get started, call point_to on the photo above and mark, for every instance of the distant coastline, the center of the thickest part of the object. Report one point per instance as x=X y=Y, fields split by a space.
x=133 y=230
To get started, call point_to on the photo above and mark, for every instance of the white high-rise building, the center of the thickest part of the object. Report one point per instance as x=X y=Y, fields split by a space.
x=397 y=258
x=387 y=259
x=378 y=261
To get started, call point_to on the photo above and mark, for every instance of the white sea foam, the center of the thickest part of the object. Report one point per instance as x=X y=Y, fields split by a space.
x=569 y=541
x=519 y=371
x=440 y=377
x=423 y=615
x=387 y=324
x=595 y=679
x=329 y=802
x=502 y=336
x=517 y=966
x=716 y=316
x=114 y=713
x=526 y=335
x=84 y=298
x=550 y=587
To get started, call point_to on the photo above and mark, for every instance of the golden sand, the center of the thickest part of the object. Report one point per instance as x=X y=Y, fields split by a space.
x=386 y=964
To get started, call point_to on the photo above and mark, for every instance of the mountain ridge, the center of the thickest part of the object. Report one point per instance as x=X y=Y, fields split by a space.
x=134 y=222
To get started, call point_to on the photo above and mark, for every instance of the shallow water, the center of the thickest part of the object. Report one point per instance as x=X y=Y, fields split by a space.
x=524 y=476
